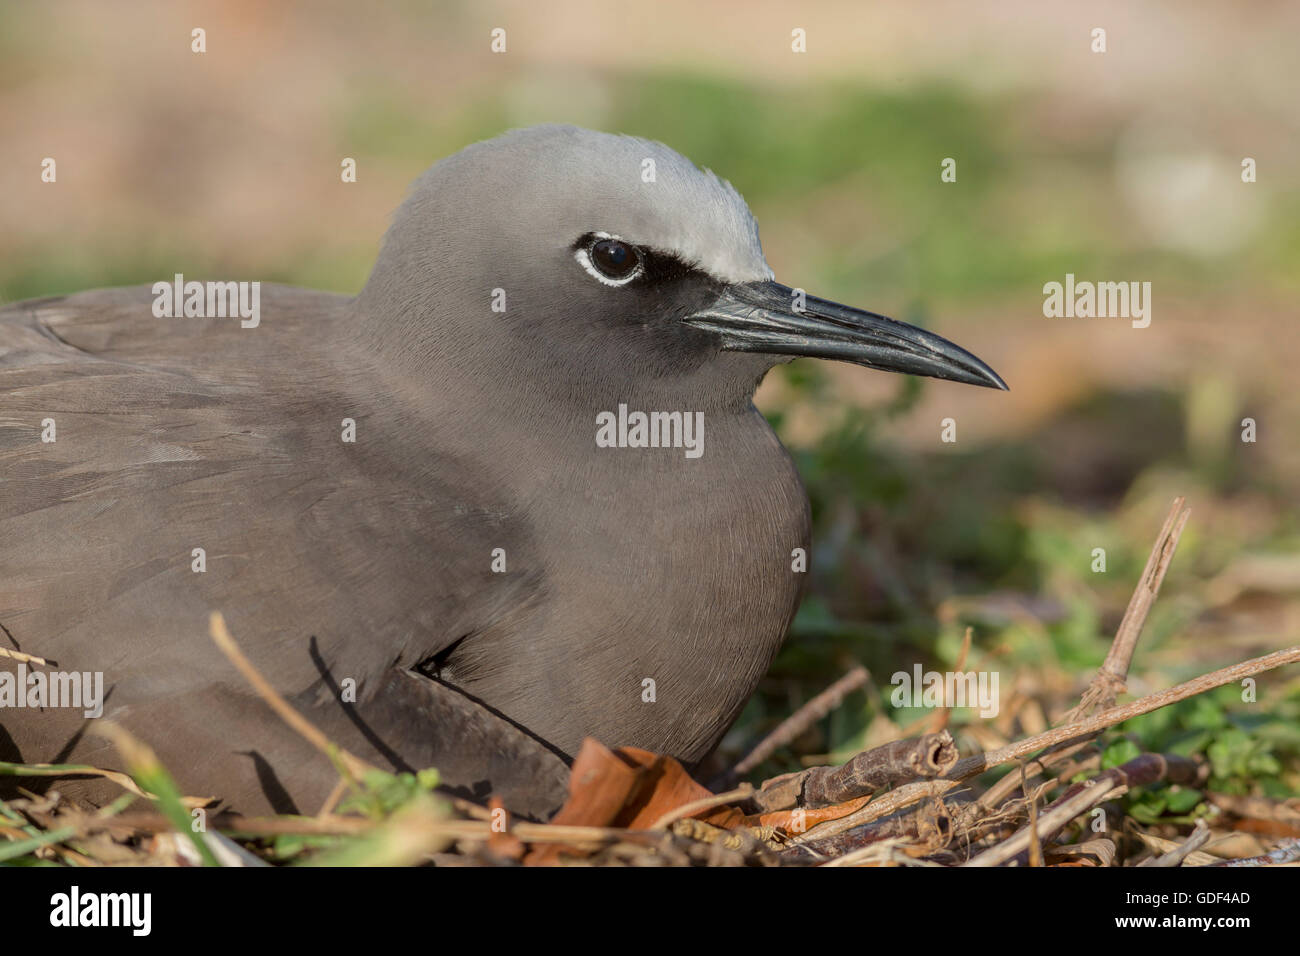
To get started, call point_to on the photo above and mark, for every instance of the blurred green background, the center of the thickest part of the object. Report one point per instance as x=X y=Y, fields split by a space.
x=1115 y=166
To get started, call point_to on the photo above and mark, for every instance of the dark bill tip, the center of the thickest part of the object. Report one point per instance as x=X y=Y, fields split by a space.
x=772 y=318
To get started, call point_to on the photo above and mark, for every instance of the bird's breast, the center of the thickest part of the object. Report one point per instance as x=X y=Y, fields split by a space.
x=669 y=585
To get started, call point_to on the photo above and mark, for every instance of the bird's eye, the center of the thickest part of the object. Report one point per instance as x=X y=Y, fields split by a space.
x=614 y=259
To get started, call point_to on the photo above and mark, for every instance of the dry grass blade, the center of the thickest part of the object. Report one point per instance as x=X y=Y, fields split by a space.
x=22 y=658
x=1200 y=836
x=354 y=766
x=1159 y=846
x=83 y=770
x=744 y=791
x=1035 y=838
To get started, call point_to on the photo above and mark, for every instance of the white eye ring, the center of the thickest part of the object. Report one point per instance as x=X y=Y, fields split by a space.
x=584 y=260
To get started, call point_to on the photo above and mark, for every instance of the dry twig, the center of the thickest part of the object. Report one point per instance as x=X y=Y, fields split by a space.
x=789 y=729
x=1113 y=673
x=1081 y=797
x=1287 y=851
x=900 y=761
x=1111 y=678
x=978 y=763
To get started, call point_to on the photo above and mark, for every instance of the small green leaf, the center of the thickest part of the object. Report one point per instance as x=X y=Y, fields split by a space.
x=1119 y=751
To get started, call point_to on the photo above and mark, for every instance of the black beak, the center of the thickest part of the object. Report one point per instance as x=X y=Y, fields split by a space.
x=775 y=319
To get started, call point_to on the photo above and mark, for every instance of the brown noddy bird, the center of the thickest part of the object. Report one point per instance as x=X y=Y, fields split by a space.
x=557 y=513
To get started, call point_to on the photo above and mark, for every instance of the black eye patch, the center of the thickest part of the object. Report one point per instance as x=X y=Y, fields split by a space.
x=617 y=259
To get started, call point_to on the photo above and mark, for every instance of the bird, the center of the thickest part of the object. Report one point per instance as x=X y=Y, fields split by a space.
x=437 y=515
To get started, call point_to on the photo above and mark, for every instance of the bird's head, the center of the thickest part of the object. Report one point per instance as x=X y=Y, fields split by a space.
x=604 y=265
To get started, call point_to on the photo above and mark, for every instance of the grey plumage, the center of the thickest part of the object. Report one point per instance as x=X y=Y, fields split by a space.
x=372 y=561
